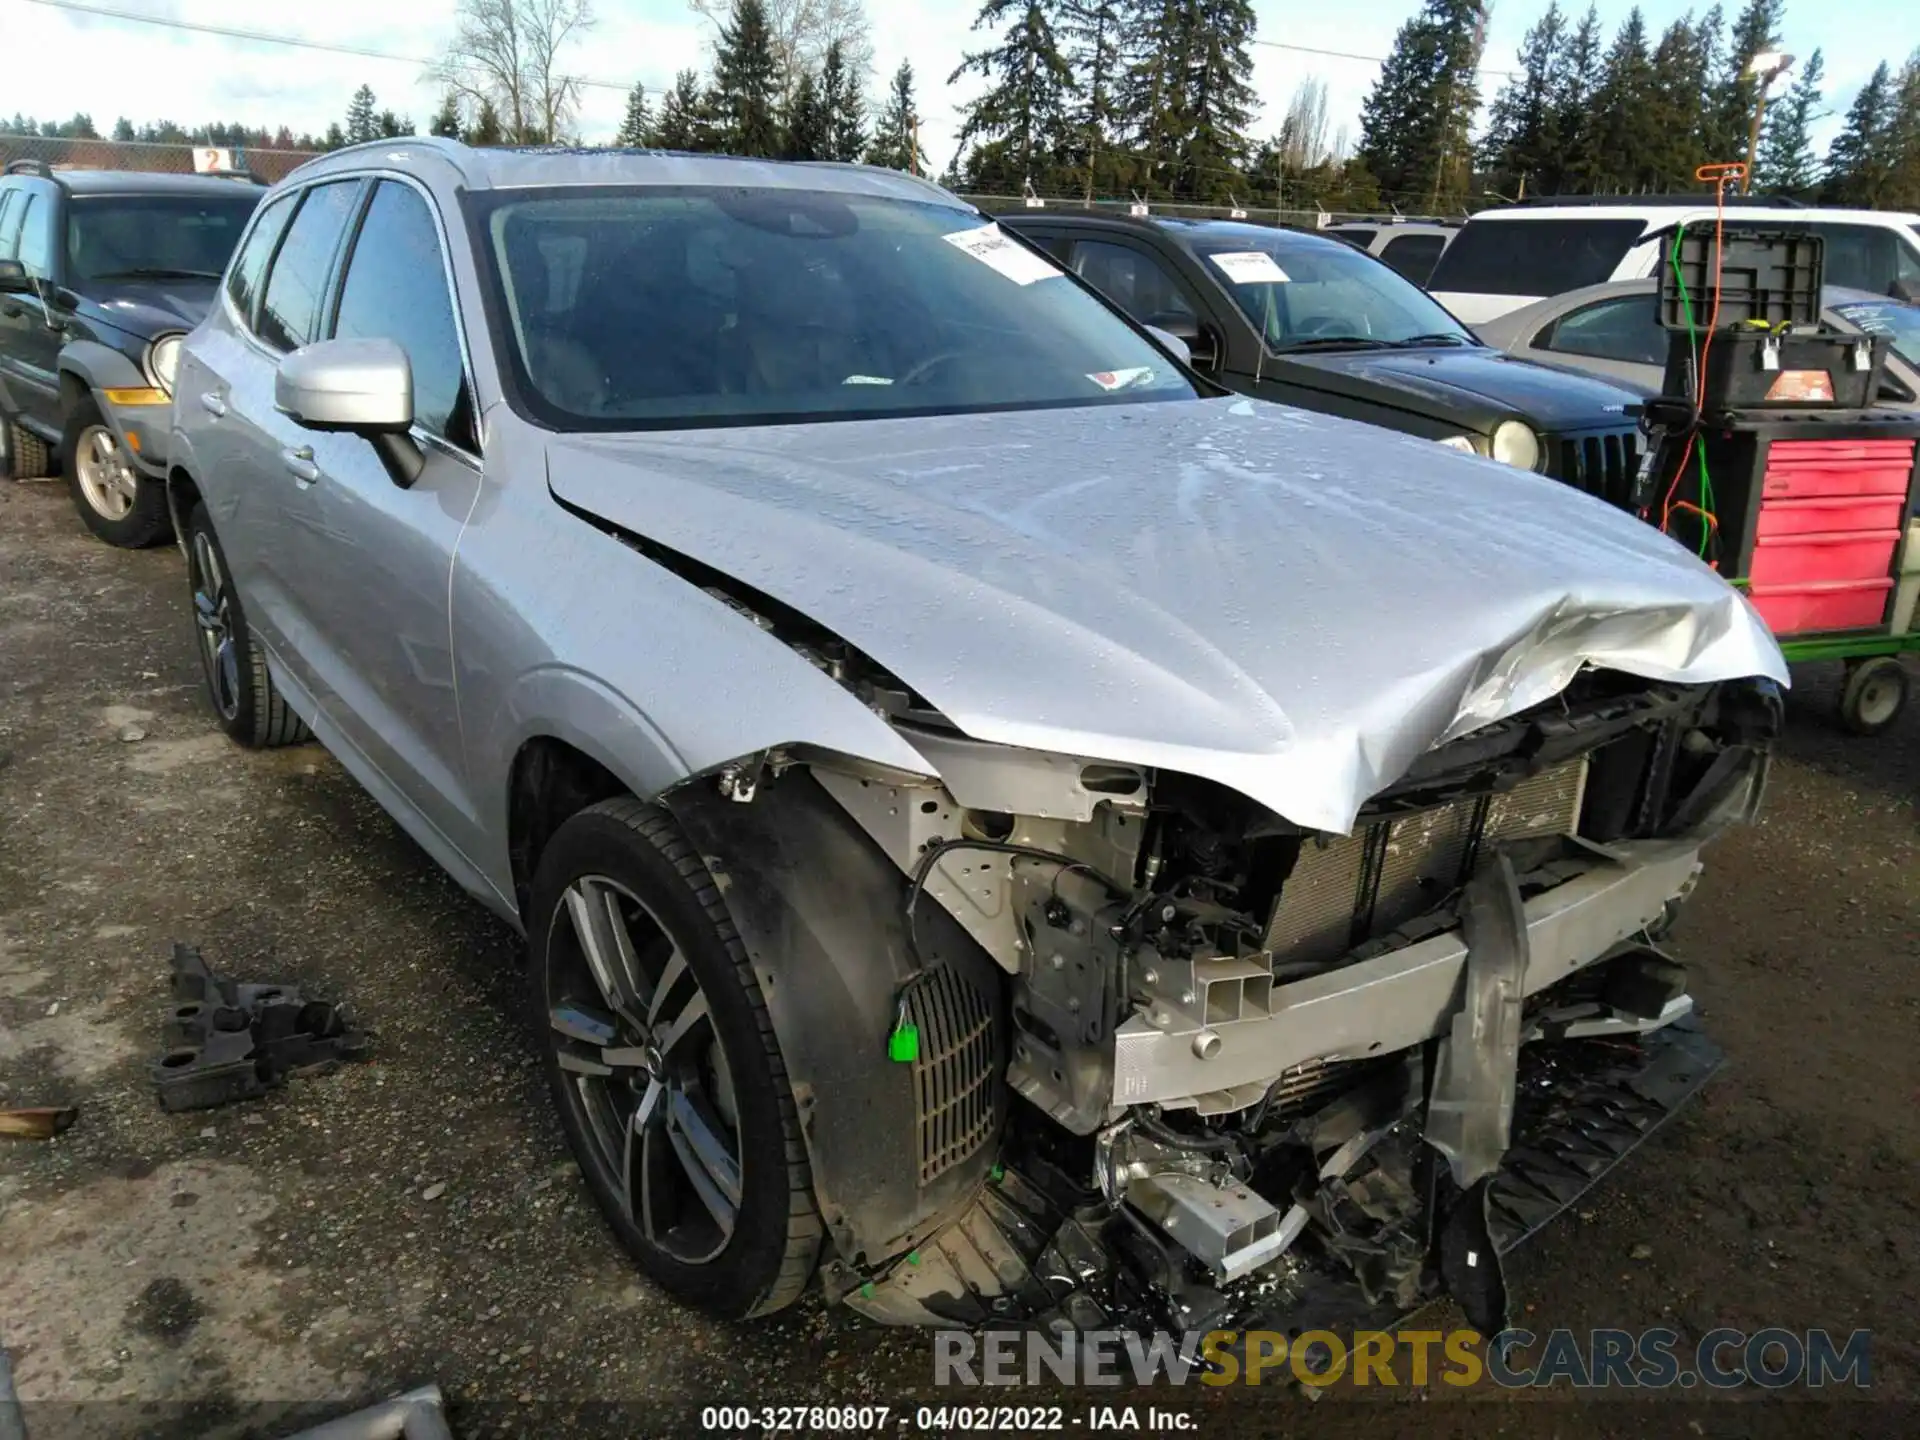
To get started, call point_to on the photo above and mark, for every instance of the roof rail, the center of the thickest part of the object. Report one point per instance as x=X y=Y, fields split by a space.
x=30 y=166
x=1696 y=197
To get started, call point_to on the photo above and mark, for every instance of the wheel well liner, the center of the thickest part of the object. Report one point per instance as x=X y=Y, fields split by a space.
x=549 y=783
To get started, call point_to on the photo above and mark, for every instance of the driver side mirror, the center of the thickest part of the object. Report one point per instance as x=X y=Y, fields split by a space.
x=362 y=387
x=1203 y=350
x=14 y=279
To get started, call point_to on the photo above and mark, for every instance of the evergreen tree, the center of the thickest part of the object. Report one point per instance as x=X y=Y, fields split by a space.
x=1018 y=126
x=1415 y=123
x=636 y=127
x=893 y=132
x=1730 y=106
x=389 y=126
x=335 y=137
x=362 y=122
x=1678 y=107
x=447 y=122
x=747 y=78
x=1787 y=164
x=846 y=111
x=682 y=115
x=1091 y=30
x=808 y=128
x=486 y=129
x=1523 y=132
x=123 y=129
x=1903 y=141
x=1575 y=74
x=1155 y=46
x=1213 y=146
x=1857 y=165
x=1708 y=37
x=1624 y=116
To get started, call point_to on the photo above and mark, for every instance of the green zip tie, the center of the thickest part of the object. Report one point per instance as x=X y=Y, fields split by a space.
x=903 y=1045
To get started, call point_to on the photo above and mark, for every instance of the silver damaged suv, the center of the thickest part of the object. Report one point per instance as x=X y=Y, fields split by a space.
x=1000 y=827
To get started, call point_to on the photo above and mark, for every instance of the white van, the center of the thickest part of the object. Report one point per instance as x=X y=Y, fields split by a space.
x=1518 y=254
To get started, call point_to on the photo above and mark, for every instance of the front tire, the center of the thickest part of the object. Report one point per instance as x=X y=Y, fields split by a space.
x=239 y=686
x=664 y=1067
x=116 y=502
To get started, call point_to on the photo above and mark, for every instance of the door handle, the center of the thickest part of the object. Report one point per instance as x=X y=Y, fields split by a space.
x=213 y=404
x=300 y=464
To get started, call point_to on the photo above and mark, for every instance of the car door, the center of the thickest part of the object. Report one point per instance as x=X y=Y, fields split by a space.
x=266 y=500
x=35 y=329
x=372 y=575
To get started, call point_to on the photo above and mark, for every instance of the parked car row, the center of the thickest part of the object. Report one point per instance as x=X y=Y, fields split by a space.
x=971 y=783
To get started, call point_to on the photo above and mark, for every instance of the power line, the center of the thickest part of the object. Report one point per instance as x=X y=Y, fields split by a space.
x=262 y=37
x=1351 y=55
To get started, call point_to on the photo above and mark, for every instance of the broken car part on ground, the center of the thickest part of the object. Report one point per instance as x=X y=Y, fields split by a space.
x=1058 y=845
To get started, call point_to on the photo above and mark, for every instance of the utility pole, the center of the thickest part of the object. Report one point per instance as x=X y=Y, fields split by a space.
x=916 y=146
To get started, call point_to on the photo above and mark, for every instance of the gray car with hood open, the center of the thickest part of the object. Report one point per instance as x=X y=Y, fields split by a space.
x=1000 y=826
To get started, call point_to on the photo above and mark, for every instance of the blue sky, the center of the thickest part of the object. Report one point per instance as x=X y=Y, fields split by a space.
x=203 y=77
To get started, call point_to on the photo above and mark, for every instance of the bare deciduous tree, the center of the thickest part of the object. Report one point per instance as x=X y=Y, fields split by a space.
x=1303 y=133
x=509 y=53
x=802 y=30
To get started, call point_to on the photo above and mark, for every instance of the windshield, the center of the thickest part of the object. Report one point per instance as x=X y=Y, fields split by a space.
x=161 y=237
x=659 y=307
x=1302 y=296
x=1886 y=317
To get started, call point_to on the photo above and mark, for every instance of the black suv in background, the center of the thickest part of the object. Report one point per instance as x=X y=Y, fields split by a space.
x=1308 y=321
x=101 y=275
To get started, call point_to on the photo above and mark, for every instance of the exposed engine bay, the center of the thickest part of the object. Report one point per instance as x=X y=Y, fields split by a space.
x=1170 y=1055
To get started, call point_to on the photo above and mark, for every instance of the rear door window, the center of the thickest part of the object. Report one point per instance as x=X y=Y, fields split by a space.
x=243 y=279
x=1533 y=257
x=1859 y=257
x=1359 y=239
x=298 y=280
x=1625 y=329
x=1414 y=255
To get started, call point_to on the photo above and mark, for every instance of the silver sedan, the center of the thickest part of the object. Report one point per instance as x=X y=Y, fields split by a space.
x=1610 y=330
x=973 y=792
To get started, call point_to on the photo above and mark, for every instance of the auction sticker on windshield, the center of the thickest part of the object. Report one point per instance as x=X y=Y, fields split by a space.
x=993 y=247
x=1249 y=267
x=1120 y=379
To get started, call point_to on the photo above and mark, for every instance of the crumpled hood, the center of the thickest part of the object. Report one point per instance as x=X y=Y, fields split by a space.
x=1292 y=605
x=1441 y=378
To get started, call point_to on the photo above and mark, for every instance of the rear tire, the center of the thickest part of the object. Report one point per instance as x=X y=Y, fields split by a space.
x=1874 y=694
x=239 y=686
x=23 y=454
x=688 y=1136
x=115 y=501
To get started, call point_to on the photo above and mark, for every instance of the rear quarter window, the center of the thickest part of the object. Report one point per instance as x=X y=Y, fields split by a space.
x=1533 y=257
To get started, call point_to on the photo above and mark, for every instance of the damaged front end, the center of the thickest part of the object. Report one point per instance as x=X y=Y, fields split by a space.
x=1175 y=1060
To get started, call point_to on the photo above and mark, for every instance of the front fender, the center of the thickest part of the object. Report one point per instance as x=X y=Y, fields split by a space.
x=139 y=415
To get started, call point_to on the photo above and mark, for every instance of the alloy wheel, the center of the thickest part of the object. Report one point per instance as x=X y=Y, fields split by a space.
x=213 y=614
x=633 y=1033
x=107 y=477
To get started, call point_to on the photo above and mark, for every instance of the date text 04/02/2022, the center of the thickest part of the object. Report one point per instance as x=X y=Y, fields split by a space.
x=941 y=1419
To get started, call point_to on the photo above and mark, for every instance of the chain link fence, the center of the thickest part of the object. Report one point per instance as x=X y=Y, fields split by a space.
x=263 y=162
x=1289 y=219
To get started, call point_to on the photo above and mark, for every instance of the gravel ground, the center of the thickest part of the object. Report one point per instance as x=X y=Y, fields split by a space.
x=415 y=1219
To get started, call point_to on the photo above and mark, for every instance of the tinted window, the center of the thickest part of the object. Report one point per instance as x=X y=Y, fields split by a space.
x=12 y=206
x=1359 y=239
x=396 y=288
x=113 y=237
x=1533 y=257
x=1858 y=257
x=36 y=238
x=299 y=274
x=1132 y=279
x=243 y=281
x=1625 y=329
x=627 y=308
x=1413 y=255
x=1306 y=294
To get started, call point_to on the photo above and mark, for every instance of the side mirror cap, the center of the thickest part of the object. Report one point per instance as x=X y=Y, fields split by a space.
x=14 y=279
x=1172 y=342
x=361 y=386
